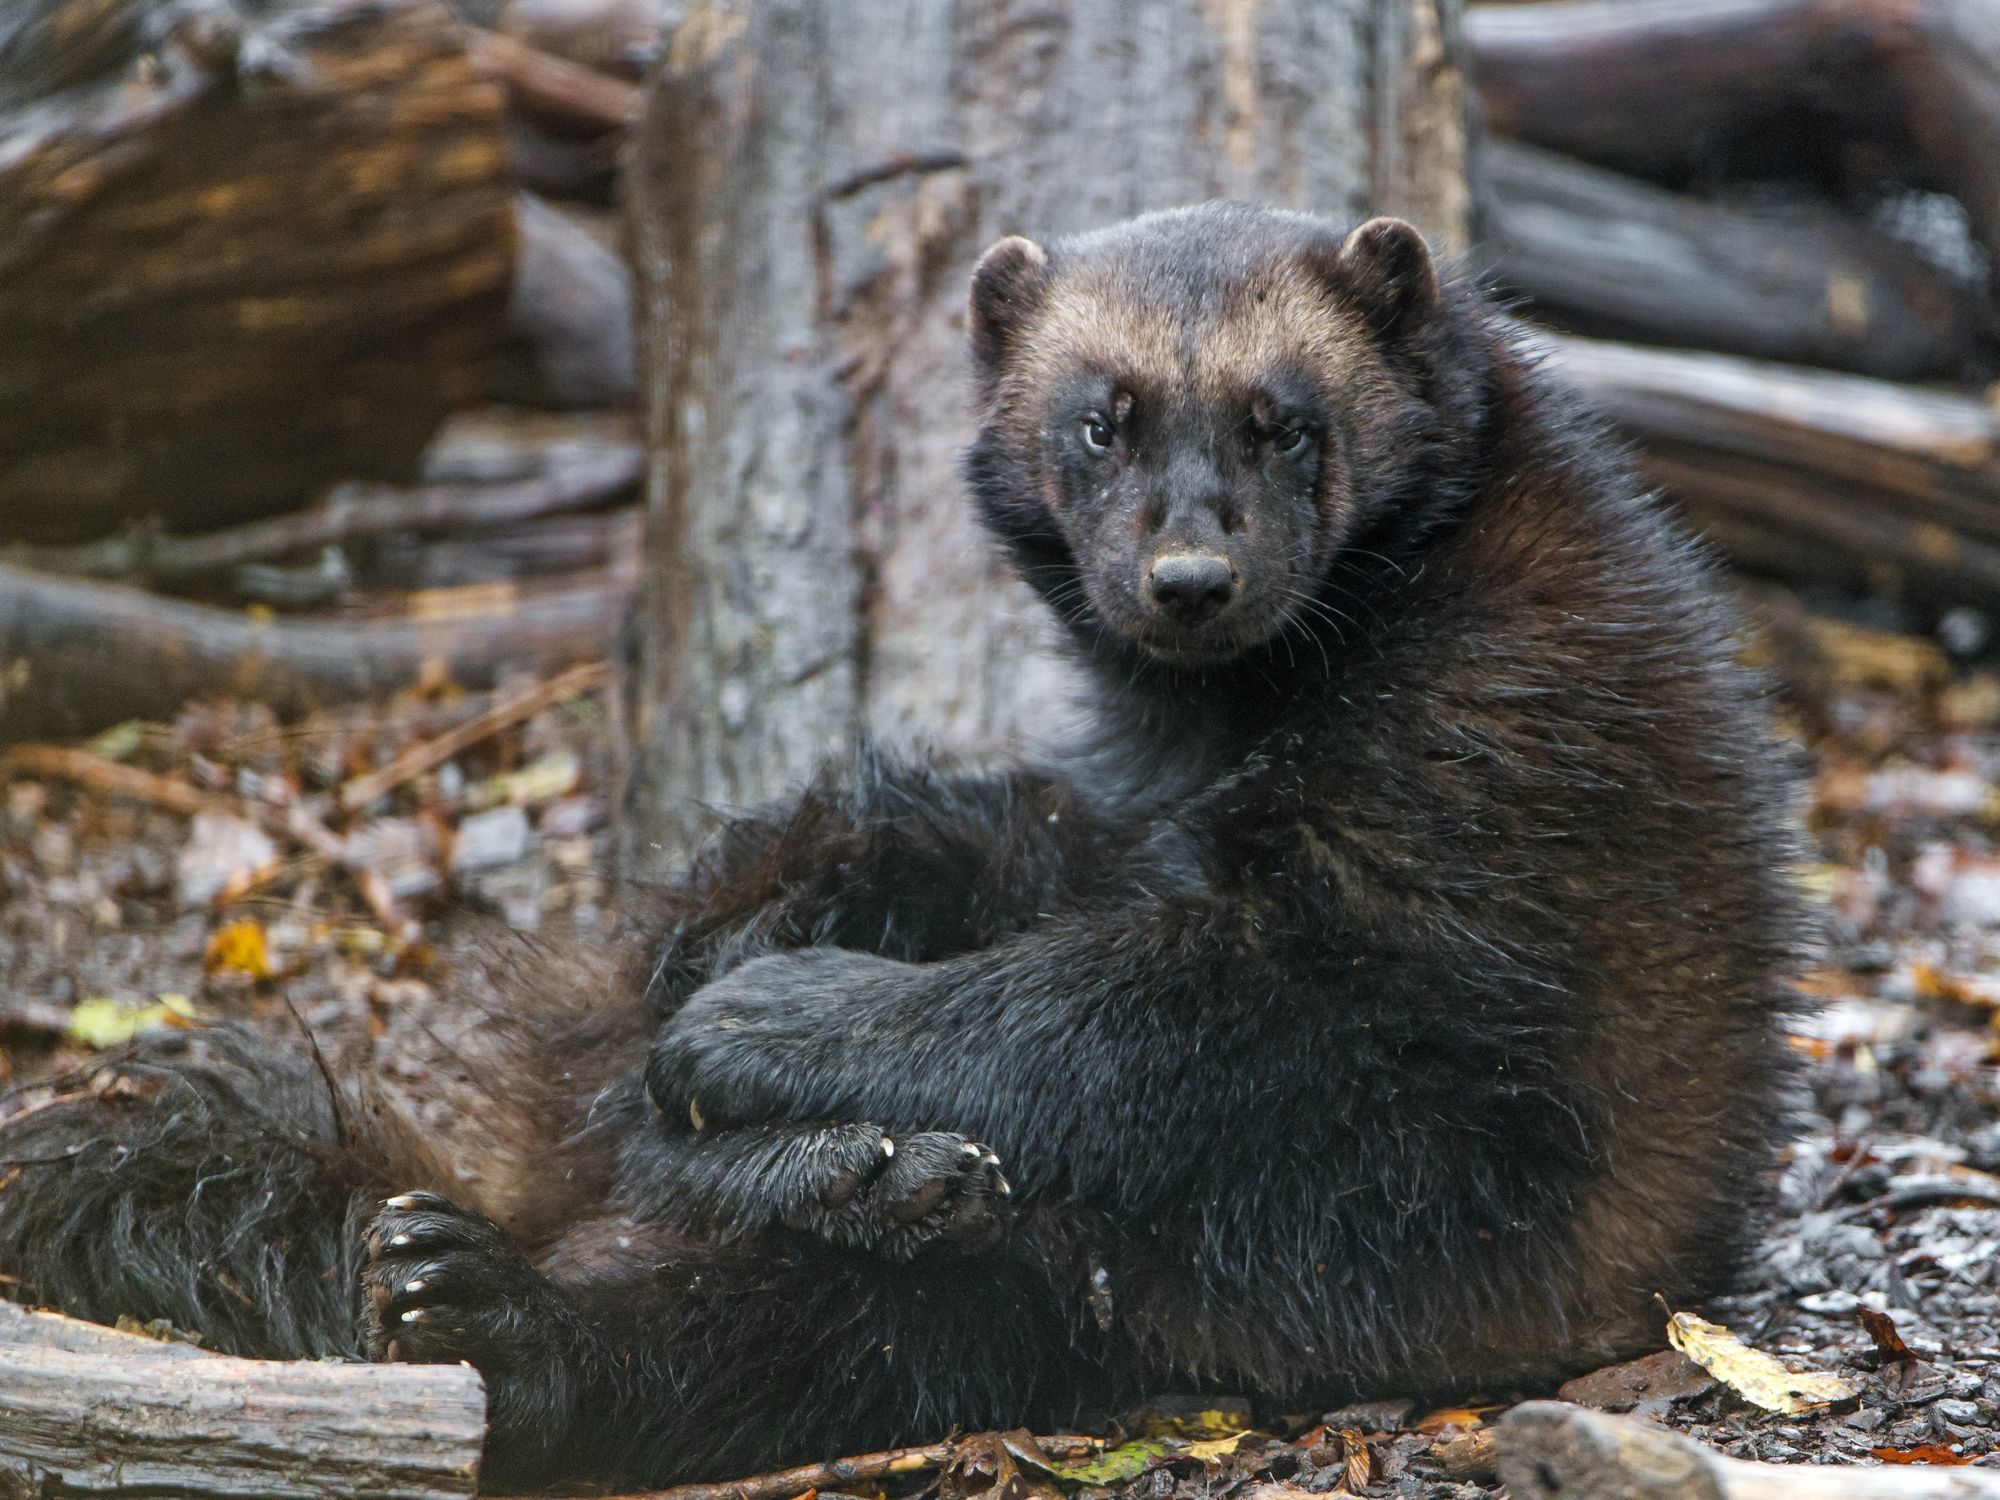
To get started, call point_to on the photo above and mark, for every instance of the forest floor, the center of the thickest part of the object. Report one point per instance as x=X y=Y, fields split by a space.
x=213 y=867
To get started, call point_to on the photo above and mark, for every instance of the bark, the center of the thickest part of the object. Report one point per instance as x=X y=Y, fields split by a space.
x=1605 y=254
x=811 y=183
x=1812 y=474
x=1837 y=88
x=240 y=257
x=1550 y=1451
x=76 y=656
x=128 y=1418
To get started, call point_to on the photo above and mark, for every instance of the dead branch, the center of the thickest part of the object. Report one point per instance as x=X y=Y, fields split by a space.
x=92 y=1411
x=574 y=480
x=1608 y=255
x=77 y=655
x=1549 y=1450
x=69 y=763
x=431 y=754
x=543 y=83
x=840 y=1473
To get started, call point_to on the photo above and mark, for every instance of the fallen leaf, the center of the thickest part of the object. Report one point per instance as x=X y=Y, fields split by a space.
x=1115 y=1465
x=104 y=1022
x=1657 y=1380
x=238 y=948
x=1215 y=1448
x=1751 y=1373
x=1433 y=1423
x=1882 y=1329
x=1929 y=1453
x=1360 y=1462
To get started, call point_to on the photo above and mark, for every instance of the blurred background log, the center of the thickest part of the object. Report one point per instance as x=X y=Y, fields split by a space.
x=1605 y=254
x=1837 y=92
x=1828 y=478
x=259 y=252
x=76 y=655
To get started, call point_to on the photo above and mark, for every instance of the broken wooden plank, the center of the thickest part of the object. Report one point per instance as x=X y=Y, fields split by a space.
x=102 y=1418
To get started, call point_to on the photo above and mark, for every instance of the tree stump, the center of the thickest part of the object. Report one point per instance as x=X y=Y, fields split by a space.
x=811 y=183
x=241 y=254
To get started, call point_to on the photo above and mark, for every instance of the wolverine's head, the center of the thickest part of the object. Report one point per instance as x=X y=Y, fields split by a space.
x=1188 y=416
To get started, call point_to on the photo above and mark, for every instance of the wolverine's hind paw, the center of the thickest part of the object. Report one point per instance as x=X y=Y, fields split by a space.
x=442 y=1284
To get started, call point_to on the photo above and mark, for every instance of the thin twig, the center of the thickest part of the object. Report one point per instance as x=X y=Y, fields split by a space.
x=353 y=513
x=68 y=763
x=433 y=753
x=836 y=1474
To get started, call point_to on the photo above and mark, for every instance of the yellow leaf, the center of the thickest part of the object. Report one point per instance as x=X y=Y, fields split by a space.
x=238 y=949
x=1751 y=1373
x=103 y=1022
x=1216 y=1448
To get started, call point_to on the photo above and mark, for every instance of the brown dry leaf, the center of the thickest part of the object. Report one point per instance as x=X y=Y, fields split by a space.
x=1433 y=1423
x=1929 y=1453
x=1882 y=1329
x=1360 y=1463
x=238 y=948
x=1932 y=983
x=1751 y=1373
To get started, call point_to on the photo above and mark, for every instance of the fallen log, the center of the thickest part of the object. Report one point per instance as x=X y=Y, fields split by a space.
x=269 y=250
x=581 y=479
x=1608 y=255
x=1548 y=1450
x=78 y=655
x=90 y=1411
x=1807 y=470
x=1825 y=88
x=558 y=544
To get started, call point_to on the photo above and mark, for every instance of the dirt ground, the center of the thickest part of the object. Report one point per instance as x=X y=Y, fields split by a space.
x=211 y=867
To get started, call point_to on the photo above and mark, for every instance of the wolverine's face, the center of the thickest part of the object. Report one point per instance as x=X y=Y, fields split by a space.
x=1182 y=422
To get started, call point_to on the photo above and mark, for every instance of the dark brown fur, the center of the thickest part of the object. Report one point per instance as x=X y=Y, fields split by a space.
x=1386 y=996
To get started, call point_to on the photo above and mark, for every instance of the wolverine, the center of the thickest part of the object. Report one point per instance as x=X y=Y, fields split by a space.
x=1384 y=994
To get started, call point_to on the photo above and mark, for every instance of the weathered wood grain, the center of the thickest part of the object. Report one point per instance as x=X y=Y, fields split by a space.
x=242 y=254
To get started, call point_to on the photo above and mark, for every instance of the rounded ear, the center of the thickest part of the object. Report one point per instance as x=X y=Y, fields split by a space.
x=1387 y=266
x=1006 y=285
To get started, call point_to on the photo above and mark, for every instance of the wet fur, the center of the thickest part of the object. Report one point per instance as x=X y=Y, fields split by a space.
x=1392 y=1007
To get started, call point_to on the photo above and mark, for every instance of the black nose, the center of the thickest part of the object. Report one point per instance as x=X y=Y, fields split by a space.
x=1191 y=586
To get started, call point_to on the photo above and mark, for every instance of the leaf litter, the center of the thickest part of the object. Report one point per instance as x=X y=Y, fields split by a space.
x=371 y=902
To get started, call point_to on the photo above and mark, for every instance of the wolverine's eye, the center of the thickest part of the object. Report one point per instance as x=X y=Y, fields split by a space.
x=1096 y=434
x=1288 y=442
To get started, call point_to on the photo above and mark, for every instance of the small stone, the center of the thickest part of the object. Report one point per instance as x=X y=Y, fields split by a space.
x=491 y=838
x=222 y=855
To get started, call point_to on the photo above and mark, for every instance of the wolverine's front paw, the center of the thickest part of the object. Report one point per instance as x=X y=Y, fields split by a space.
x=442 y=1284
x=765 y=1042
x=901 y=1195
